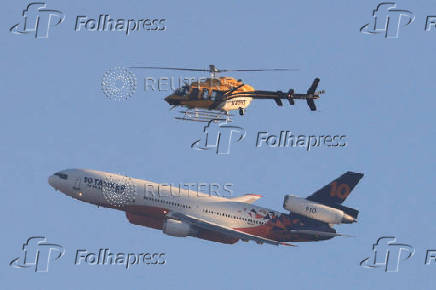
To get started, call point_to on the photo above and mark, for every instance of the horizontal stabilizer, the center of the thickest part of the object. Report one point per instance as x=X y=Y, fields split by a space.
x=313 y=87
x=348 y=210
x=311 y=104
x=318 y=233
x=278 y=102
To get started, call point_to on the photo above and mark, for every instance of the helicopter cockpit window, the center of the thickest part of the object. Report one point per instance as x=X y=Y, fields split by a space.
x=216 y=95
x=183 y=91
x=205 y=94
x=194 y=93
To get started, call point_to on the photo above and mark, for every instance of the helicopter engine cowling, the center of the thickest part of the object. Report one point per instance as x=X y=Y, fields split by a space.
x=316 y=210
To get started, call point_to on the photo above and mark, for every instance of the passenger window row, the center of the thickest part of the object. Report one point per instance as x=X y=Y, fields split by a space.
x=255 y=221
x=157 y=200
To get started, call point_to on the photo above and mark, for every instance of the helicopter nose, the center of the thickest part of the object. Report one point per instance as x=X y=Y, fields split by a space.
x=171 y=101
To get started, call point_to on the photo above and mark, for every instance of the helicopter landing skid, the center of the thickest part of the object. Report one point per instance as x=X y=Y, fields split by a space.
x=204 y=116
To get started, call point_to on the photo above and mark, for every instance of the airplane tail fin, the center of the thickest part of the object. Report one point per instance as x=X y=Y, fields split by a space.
x=335 y=193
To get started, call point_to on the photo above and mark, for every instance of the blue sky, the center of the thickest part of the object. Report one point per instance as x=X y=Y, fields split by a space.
x=380 y=94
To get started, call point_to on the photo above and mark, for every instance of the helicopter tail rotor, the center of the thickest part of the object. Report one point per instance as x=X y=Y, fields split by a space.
x=290 y=97
x=310 y=96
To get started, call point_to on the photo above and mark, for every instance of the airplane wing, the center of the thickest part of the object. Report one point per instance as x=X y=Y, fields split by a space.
x=318 y=233
x=247 y=198
x=207 y=225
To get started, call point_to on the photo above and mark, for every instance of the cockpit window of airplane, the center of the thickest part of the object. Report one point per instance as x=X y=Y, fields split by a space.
x=61 y=175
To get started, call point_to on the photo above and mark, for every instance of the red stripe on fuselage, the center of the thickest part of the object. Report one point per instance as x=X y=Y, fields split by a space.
x=154 y=217
x=278 y=234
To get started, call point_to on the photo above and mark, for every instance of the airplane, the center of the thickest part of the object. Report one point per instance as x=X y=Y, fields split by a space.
x=213 y=98
x=181 y=212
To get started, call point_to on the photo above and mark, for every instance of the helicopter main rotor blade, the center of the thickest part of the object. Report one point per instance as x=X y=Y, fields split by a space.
x=169 y=68
x=260 y=69
x=213 y=69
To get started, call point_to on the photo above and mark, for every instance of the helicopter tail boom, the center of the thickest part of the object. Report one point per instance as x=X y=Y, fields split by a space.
x=278 y=96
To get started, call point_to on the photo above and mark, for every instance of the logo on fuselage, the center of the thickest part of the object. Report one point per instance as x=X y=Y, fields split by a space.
x=118 y=192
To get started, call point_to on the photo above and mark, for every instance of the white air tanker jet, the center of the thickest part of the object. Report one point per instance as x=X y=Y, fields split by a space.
x=180 y=212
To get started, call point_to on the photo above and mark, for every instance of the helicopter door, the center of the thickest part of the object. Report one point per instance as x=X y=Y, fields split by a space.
x=205 y=94
x=194 y=93
x=216 y=95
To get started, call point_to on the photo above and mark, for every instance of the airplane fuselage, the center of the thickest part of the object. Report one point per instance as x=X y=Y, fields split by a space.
x=150 y=204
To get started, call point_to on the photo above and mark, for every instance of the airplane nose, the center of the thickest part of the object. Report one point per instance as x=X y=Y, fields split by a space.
x=52 y=181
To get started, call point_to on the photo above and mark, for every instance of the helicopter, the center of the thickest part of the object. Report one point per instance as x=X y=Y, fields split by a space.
x=214 y=97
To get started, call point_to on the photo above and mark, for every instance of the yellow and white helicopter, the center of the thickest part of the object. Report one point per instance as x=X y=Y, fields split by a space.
x=214 y=97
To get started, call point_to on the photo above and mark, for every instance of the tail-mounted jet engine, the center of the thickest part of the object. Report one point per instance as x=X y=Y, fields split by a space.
x=316 y=210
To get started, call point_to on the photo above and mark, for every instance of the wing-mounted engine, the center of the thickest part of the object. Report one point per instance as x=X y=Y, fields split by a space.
x=178 y=228
x=316 y=210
